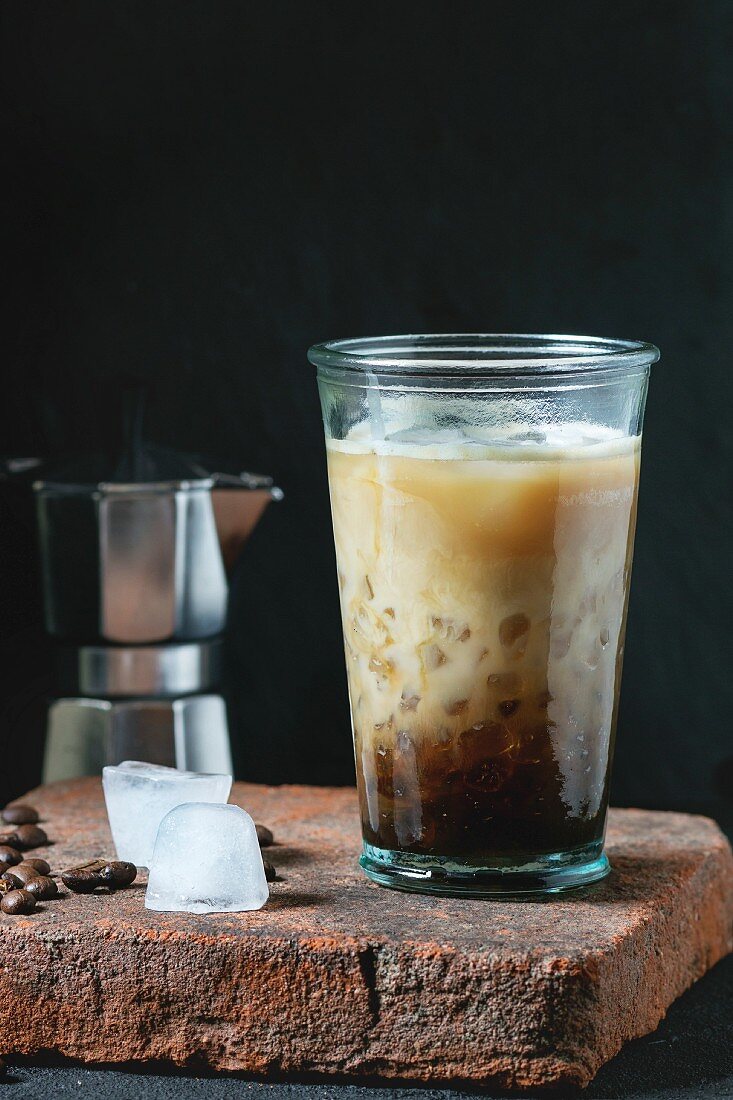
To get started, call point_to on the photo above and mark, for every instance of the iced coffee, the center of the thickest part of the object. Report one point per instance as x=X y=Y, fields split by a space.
x=483 y=589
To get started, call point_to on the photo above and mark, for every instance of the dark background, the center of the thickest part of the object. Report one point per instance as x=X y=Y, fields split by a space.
x=195 y=192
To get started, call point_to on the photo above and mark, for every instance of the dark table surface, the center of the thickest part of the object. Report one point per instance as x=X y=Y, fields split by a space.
x=690 y=1055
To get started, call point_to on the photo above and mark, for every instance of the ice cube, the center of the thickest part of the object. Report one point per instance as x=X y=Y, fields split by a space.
x=207 y=859
x=139 y=795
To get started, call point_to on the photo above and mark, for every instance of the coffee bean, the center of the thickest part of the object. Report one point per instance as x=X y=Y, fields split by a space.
x=20 y=814
x=82 y=880
x=118 y=874
x=40 y=865
x=42 y=887
x=8 y=855
x=264 y=835
x=6 y=886
x=18 y=902
x=91 y=865
x=270 y=872
x=30 y=836
x=12 y=880
x=24 y=872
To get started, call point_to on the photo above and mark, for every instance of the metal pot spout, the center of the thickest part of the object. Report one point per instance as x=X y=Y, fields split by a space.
x=239 y=503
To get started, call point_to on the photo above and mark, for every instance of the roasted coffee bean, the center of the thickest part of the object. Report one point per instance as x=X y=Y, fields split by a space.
x=20 y=814
x=264 y=835
x=6 y=886
x=117 y=874
x=42 y=887
x=30 y=836
x=18 y=902
x=14 y=881
x=24 y=872
x=91 y=865
x=270 y=872
x=40 y=865
x=8 y=855
x=82 y=880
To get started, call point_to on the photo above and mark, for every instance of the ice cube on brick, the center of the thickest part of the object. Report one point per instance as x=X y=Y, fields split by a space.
x=207 y=859
x=139 y=795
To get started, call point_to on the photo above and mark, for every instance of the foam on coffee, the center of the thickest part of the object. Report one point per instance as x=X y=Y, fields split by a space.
x=520 y=442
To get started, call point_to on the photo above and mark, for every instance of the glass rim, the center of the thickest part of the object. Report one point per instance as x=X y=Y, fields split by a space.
x=482 y=355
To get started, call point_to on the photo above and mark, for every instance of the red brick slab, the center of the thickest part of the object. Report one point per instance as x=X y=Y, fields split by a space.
x=338 y=975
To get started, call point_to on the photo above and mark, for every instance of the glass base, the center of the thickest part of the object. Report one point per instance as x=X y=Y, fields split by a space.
x=452 y=877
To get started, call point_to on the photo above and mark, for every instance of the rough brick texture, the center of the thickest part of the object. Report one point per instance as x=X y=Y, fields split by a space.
x=338 y=975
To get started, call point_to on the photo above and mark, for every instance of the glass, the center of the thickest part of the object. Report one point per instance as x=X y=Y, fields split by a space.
x=483 y=491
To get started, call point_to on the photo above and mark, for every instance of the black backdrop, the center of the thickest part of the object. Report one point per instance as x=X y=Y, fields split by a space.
x=196 y=191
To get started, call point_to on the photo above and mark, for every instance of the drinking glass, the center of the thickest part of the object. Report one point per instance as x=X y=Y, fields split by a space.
x=483 y=491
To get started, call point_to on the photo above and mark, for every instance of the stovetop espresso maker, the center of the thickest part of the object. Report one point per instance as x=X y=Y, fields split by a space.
x=135 y=585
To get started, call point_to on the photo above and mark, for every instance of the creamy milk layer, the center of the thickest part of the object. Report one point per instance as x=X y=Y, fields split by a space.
x=483 y=590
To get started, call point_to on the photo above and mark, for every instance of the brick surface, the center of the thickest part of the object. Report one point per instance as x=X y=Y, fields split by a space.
x=338 y=975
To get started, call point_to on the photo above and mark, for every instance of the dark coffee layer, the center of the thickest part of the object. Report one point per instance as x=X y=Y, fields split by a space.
x=483 y=794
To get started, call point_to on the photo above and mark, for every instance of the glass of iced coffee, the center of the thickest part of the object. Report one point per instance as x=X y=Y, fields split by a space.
x=483 y=491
